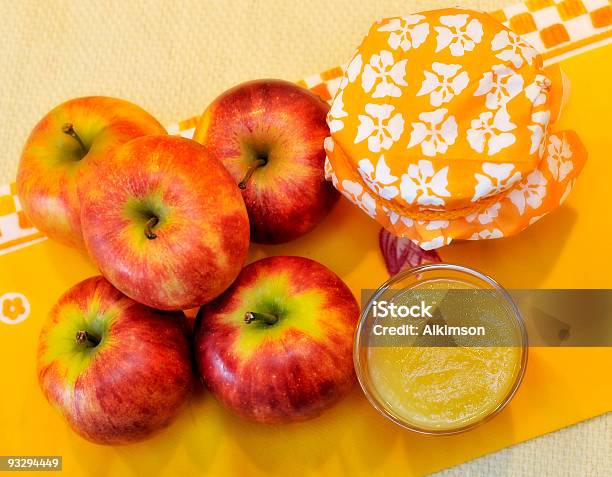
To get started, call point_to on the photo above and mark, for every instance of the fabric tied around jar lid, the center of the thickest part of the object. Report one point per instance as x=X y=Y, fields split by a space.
x=443 y=129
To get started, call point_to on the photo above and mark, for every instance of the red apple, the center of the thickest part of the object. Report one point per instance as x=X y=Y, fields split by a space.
x=164 y=222
x=269 y=135
x=117 y=370
x=64 y=143
x=277 y=346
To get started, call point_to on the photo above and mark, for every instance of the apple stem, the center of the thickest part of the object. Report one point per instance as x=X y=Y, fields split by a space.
x=85 y=337
x=267 y=318
x=256 y=165
x=152 y=222
x=68 y=128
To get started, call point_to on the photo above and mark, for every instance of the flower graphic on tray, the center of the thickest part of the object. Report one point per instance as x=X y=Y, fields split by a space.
x=14 y=308
x=435 y=133
x=423 y=185
x=454 y=35
x=379 y=126
x=443 y=83
x=387 y=75
x=406 y=32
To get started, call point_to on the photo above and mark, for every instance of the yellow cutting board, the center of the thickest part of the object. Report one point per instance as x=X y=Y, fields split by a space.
x=567 y=249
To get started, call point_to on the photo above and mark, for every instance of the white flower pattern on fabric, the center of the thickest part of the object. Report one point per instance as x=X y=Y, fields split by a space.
x=500 y=85
x=514 y=48
x=529 y=192
x=491 y=131
x=487 y=216
x=336 y=113
x=355 y=193
x=406 y=32
x=559 y=158
x=394 y=217
x=537 y=92
x=383 y=72
x=435 y=133
x=437 y=224
x=444 y=83
x=378 y=179
x=423 y=185
x=452 y=34
x=487 y=234
x=496 y=178
x=538 y=128
x=535 y=218
x=434 y=243
x=352 y=71
x=379 y=127
x=327 y=167
x=330 y=175
x=566 y=192
x=354 y=68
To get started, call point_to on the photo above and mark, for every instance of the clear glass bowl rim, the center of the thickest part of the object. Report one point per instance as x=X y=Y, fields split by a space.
x=361 y=368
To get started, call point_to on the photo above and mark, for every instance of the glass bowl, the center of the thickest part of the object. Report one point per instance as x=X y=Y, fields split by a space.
x=500 y=311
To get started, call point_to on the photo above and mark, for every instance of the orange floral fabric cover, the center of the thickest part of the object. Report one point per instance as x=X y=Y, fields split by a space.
x=443 y=129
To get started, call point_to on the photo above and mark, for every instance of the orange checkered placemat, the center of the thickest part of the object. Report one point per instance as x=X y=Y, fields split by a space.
x=556 y=28
x=16 y=230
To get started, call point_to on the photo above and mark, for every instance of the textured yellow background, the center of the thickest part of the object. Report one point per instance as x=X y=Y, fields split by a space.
x=172 y=58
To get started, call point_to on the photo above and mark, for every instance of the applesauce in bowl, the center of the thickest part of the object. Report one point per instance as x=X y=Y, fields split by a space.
x=440 y=349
